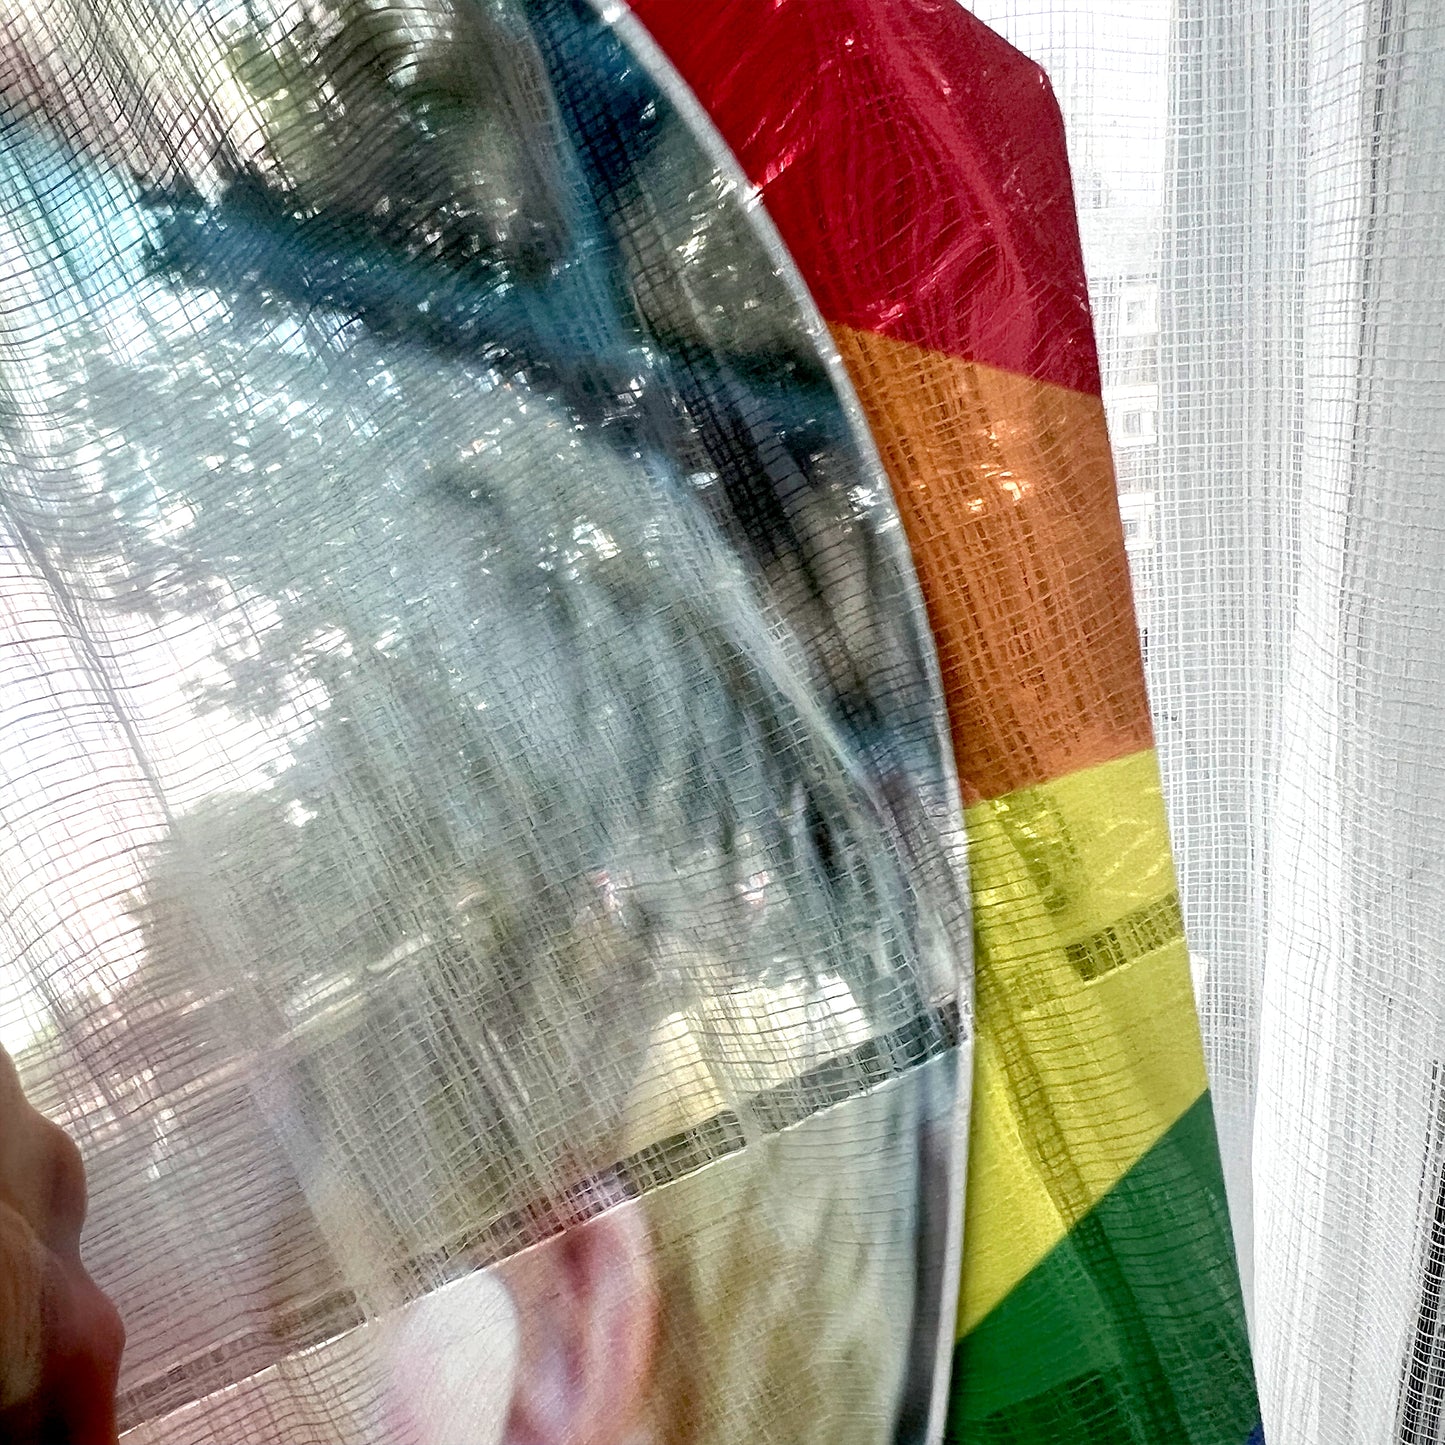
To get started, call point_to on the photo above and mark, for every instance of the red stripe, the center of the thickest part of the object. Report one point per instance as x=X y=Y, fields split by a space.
x=914 y=163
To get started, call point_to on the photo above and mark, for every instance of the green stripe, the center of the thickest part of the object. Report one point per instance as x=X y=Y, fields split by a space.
x=1131 y=1330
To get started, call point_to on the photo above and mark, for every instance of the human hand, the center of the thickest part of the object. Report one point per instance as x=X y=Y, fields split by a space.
x=60 y=1336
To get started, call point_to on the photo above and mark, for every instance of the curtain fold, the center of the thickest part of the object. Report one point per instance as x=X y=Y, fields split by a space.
x=1347 y=1146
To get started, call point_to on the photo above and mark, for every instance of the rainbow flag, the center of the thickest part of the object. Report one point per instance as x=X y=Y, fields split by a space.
x=915 y=165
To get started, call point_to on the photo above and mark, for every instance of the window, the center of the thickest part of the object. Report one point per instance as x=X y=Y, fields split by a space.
x=1137 y=423
x=1138 y=310
x=1136 y=511
x=1133 y=414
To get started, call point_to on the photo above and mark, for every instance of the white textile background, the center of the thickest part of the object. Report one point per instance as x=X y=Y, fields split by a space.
x=1262 y=198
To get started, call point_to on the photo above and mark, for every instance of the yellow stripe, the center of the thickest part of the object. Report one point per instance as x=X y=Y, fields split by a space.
x=1088 y=1042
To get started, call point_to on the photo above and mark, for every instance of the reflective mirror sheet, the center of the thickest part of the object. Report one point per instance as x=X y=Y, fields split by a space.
x=483 y=870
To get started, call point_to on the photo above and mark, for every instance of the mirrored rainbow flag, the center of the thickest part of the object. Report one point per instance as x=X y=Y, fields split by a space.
x=915 y=166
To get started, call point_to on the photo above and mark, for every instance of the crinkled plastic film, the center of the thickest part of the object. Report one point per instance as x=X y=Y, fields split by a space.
x=484 y=863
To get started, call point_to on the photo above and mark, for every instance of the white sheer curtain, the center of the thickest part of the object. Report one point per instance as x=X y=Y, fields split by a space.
x=1275 y=174
x=374 y=509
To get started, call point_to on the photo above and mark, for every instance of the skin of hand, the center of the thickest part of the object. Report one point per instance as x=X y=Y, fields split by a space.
x=60 y=1336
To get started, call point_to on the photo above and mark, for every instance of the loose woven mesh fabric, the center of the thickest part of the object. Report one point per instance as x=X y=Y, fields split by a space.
x=472 y=750
x=1288 y=568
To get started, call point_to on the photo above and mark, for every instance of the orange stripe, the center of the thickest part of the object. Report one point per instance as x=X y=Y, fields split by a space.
x=1005 y=485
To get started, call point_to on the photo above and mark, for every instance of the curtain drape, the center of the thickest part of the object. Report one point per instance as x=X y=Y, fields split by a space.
x=481 y=862
x=1279 y=172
